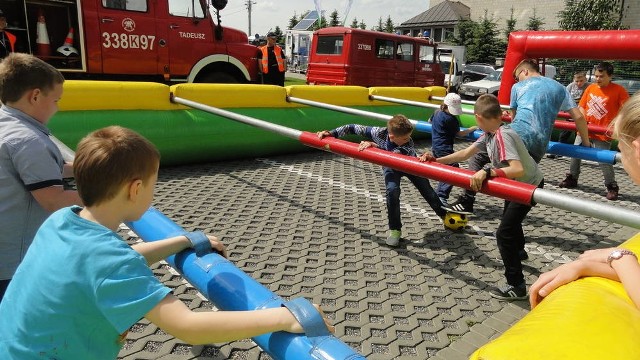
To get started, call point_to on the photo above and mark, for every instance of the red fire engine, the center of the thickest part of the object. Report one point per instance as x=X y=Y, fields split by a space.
x=163 y=40
x=346 y=56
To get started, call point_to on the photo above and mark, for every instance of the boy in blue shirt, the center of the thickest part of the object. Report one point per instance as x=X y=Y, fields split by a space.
x=445 y=126
x=396 y=137
x=509 y=158
x=81 y=287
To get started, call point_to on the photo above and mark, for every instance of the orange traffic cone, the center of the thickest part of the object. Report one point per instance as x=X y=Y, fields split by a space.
x=67 y=48
x=42 y=37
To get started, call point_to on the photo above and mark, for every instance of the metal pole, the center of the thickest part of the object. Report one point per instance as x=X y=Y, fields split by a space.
x=562 y=125
x=580 y=152
x=499 y=187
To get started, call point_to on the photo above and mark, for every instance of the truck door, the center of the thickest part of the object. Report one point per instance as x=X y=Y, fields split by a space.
x=190 y=36
x=405 y=65
x=428 y=72
x=128 y=35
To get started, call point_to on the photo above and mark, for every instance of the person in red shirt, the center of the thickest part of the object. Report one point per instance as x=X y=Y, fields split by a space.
x=599 y=104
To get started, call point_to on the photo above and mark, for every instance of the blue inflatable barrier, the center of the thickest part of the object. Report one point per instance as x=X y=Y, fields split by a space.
x=229 y=288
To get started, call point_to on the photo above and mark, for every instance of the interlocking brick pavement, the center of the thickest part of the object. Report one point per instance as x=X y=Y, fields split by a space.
x=314 y=225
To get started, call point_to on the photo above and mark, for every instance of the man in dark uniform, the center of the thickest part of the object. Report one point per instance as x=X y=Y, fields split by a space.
x=271 y=62
x=7 y=39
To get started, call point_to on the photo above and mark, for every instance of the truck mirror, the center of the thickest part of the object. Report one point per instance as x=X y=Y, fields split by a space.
x=219 y=4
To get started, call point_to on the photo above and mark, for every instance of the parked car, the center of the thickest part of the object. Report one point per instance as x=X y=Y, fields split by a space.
x=632 y=85
x=489 y=85
x=476 y=71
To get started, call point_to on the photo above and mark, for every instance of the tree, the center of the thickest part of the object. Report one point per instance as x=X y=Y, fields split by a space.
x=485 y=45
x=380 y=26
x=388 y=25
x=535 y=23
x=362 y=25
x=511 y=25
x=279 y=34
x=591 y=14
x=466 y=30
x=323 y=23
x=354 y=23
x=334 y=19
x=293 y=21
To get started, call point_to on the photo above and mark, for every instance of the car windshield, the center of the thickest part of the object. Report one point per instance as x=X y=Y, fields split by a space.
x=494 y=76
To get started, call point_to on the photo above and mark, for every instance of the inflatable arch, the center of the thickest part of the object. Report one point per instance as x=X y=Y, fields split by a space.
x=605 y=45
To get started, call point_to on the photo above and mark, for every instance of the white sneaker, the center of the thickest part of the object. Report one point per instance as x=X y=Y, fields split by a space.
x=394 y=237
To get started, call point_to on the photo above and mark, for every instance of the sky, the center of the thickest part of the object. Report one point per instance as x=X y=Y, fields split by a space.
x=267 y=14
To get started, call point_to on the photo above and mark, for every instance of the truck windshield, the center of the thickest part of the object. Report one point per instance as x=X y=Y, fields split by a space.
x=494 y=76
x=186 y=8
x=330 y=45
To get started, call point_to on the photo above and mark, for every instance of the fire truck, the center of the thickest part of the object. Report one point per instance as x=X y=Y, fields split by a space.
x=157 y=40
x=346 y=56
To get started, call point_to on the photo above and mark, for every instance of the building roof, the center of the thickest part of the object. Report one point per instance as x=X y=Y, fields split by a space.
x=445 y=13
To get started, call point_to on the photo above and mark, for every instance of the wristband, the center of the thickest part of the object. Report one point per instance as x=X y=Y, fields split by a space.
x=487 y=169
x=199 y=242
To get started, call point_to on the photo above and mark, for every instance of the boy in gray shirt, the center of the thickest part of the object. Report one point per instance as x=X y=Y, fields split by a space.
x=31 y=166
x=510 y=159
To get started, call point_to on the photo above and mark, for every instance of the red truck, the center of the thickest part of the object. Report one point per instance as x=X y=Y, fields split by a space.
x=346 y=56
x=158 y=40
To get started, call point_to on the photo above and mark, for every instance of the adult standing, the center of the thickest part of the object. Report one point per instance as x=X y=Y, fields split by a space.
x=600 y=103
x=535 y=103
x=7 y=39
x=31 y=166
x=271 y=61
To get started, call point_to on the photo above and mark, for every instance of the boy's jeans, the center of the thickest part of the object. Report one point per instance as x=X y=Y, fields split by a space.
x=392 y=183
x=607 y=169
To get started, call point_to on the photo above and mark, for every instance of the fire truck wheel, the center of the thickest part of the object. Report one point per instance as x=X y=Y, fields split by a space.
x=219 y=78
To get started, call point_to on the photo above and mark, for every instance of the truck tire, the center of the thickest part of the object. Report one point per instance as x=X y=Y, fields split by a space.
x=219 y=78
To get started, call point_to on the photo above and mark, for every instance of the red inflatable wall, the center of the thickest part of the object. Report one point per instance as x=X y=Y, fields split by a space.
x=605 y=45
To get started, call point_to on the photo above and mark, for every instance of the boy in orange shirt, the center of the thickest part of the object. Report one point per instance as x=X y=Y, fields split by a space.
x=599 y=104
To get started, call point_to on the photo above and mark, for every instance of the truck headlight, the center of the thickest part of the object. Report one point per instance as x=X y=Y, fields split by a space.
x=482 y=91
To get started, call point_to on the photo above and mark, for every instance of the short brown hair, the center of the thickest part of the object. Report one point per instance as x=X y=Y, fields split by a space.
x=109 y=158
x=20 y=73
x=488 y=107
x=529 y=64
x=399 y=125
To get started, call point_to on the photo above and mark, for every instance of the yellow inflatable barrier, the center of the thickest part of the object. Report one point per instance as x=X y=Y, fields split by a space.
x=591 y=318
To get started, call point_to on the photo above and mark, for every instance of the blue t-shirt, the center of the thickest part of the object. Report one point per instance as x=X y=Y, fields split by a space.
x=537 y=101
x=444 y=128
x=77 y=292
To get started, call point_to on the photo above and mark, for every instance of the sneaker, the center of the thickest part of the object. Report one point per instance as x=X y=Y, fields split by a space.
x=569 y=182
x=444 y=202
x=553 y=156
x=612 y=191
x=464 y=205
x=510 y=292
x=394 y=238
x=523 y=255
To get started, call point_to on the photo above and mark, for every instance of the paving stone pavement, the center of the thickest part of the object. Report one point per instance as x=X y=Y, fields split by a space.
x=314 y=224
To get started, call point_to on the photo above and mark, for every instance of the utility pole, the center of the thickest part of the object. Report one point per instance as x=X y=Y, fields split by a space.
x=249 y=3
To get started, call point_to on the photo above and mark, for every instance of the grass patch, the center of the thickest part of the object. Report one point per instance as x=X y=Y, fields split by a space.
x=294 y=81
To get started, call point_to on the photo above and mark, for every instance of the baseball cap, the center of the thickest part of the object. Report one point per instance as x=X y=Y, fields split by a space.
x=454 y=103
x=271 y=34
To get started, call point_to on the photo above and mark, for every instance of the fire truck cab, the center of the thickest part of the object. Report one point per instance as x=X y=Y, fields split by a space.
x=163 y=40
x=346 y=56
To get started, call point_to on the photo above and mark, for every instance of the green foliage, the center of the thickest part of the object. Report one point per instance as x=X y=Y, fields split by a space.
x=293 y=21
x=362 y=25
x=380 y=26
x=484 y=45
x=466 y=30
x=334 y=19
x=354 y=23
x=279 y=35
x=323 y=23
x=535 y=22
x=388 y=25
x=591 y=15
x=511 y=25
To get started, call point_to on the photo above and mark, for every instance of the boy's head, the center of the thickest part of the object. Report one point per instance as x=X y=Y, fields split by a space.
x=400 y=129
x=109 y=160
x=580 y=78
x=626 y=128
x=603 y=73
x=452 y=103
x=31 y=85
x=525 y=69
x=488 y=112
